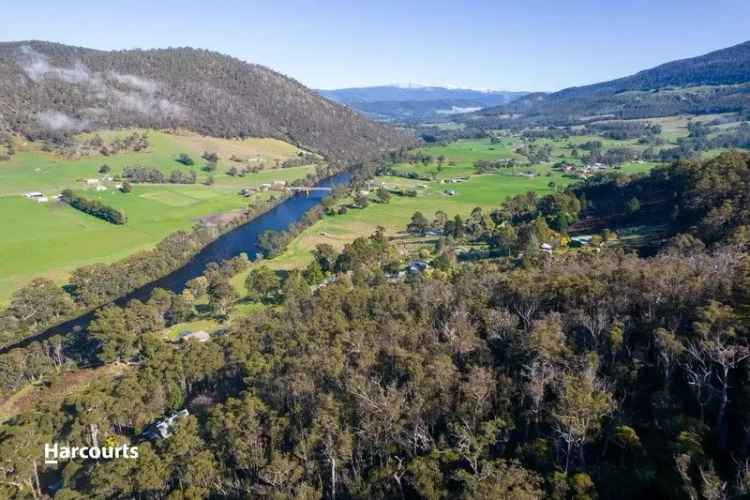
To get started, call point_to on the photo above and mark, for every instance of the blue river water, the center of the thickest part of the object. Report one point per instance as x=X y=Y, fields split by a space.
x=242 y=239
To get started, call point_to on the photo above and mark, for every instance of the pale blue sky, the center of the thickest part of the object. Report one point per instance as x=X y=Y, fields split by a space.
x=514 y=45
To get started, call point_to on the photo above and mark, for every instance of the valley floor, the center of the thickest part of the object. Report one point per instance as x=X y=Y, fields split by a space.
x=51 y=239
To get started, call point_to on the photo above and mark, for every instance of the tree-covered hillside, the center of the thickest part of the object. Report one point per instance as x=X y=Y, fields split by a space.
x=714 y=82
x=47 y=90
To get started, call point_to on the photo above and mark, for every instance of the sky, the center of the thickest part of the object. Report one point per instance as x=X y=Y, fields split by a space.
x=531 y=45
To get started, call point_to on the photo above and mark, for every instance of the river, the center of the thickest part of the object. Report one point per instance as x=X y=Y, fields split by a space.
x=231 y=244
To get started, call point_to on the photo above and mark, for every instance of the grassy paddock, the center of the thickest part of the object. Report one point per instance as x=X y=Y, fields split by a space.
x=51 y=239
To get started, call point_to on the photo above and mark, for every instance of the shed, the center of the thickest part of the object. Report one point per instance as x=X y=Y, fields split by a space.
x=418 y=266
x=165 y=428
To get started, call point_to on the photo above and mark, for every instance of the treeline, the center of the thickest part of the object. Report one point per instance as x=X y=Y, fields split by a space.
x=42 y=303
x=132 y=142
x=93 y=207
x=614 y=155
x=302 y=159
x=273 y=243
x=535 y=153
x=492 y=166
x=621 y=131
x=702 y=137
x=6 y=140
x=138 y=174
x=567 y=111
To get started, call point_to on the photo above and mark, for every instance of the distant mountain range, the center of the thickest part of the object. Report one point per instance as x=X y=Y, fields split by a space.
x=711 y=83
x=409 y=103
x=49 y=90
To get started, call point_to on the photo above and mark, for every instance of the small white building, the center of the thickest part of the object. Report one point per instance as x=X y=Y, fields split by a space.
x=165 y=428
x=33 y=194
x=581 y=240
x=546 y=248
x=91 y=182
x=418 y=266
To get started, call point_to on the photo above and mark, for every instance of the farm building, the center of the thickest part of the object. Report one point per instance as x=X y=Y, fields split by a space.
x=581 y=240
x=418 y=266
x=33 y=194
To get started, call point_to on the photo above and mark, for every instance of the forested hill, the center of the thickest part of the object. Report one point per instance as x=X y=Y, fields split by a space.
x=709 y=83
x=48 y=90
x=722 y=67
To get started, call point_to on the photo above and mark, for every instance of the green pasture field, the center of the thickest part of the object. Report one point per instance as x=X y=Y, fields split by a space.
x=31 y=169
x=51 y=239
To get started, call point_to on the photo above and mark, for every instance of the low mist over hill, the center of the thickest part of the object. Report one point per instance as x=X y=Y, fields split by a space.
x=48 y=90
x=712 y=83
x=414 y=102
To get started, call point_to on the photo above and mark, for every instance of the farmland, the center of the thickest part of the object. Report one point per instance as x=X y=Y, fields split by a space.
x=51 y=239
x=486 y=191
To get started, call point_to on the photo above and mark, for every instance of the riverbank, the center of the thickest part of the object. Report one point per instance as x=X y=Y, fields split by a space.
x=239 y=238
x=51 y=240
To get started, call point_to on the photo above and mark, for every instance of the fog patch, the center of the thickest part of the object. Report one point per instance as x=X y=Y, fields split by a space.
x=37 y=67
x=136 y=82
x=57 y=121
x=455 y=110
x=140 y=97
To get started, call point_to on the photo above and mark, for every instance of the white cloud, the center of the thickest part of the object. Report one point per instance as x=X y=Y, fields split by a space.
x=57 y=121
x=136 y=82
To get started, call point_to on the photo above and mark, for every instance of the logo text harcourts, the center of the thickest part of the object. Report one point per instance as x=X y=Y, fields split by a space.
x=56 y=452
